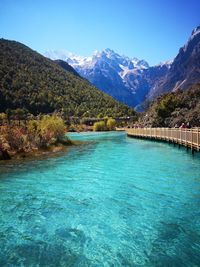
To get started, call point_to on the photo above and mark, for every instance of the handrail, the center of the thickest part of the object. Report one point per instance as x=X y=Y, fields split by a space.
x=182 y=136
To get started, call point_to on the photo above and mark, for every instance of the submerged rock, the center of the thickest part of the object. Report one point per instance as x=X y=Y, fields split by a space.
x=41 y=253
x=72 y=235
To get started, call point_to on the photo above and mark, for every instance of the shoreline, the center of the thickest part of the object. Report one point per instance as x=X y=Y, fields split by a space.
x=41 y=152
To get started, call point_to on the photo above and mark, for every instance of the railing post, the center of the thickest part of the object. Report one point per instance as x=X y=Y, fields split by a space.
x=185 y=136
x=191 y=139
x=198 y=139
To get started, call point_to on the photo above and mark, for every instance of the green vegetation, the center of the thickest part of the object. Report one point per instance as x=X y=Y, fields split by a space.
x=3 y=117
x=31 y=83
x=111 y=124
x=166 y=105
x=174 y=108
x=99 y=126
x=108 y=124
x=35 y=135
x=52 y=128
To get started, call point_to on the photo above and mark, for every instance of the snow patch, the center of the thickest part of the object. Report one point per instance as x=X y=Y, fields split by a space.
x=124 y=71
x=167 y=63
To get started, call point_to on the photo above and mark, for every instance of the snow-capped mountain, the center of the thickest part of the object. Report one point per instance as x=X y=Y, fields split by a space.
x=116 y=75
x=105 y=55
x=132 y=81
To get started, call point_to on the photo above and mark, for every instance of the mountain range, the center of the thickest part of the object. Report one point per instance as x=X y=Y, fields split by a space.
x=133 y=81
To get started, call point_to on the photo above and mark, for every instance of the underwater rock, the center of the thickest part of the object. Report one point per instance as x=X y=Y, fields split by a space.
x=71 y=234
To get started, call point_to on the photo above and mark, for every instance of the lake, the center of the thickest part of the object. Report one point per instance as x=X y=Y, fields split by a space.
x=114 y=201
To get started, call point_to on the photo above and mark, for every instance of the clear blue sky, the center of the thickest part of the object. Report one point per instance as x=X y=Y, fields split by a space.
x=153 y=30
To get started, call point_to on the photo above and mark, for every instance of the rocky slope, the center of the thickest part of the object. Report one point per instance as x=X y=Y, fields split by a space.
x=184 y=70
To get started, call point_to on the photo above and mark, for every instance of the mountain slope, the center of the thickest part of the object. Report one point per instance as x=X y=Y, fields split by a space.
x=174 y=108
x=63 y=64
x=29 y=80
x=184 y=70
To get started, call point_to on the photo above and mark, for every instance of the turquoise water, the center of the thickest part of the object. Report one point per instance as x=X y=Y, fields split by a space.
x=114 y=201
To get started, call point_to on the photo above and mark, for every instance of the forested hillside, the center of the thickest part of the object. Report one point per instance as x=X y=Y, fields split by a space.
x=174 y=108
x=63 y=64
x=30 y=81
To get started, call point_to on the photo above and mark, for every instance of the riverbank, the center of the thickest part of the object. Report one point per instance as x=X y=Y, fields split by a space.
x=34 y=137
x=50 y=151
x=61 y=146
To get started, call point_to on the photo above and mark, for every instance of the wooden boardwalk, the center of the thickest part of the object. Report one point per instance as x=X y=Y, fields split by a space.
x=190 y=138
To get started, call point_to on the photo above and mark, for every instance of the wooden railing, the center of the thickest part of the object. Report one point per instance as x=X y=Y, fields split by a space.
x=189 y=138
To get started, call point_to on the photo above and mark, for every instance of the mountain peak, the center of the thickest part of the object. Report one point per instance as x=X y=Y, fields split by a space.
x=108 y=50
x=196 y=31
x=195 y=36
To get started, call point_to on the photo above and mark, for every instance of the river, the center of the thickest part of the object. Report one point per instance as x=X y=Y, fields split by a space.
x=114 y=201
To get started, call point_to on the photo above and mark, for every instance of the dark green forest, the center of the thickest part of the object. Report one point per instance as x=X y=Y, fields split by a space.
x=174 y=108
x=34 y=83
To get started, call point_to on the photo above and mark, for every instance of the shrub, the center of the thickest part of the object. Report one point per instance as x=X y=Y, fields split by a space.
x=33 y=132
x=15 y=138
x=36 y=134
x=52 y=128
x=99 y=126
x=111 y=124
x=3 y=117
